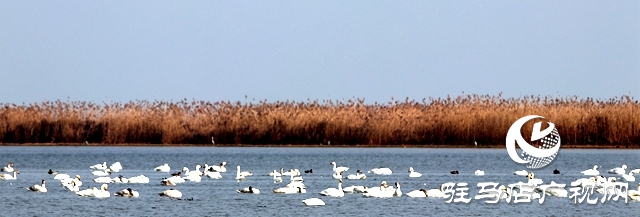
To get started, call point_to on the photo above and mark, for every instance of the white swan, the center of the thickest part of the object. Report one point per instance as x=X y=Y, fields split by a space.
x=171 y=193
x=195 y=172
x=141 y=179
x=413 y=174
x=337 y=175
x=355 y=189
x=175 y=179
x=76 y=181
x=532 y=180
x=120 y=179
x=290 y=190
x=397 y=193
x=249 y=190
x=591 y=172
x=163 y=168
x=313 y=202
x=634 y=194
x=102 y=166
x=127 y=193
x=86 y=192
x=618 y=170
x=296 y=178
x=220 y=168
x=167 y=182
x=294 y=172
x=102 y=180
x=70 y=186
x=381 y=171
x=213 y=175
x=555 y=191
x=38 y=188
x=9 y=176
x=8 y=168
x=418 y=193
x=193 y=178
x=275 y=173
x=629 y=177
x=239 y=176
x=479 y=173
x=358 y=175
x=521 y=173
x=383 y=191
x=106 y=172
x=62 y=176
x=276 y=178
x=338 y=169
x=115 y=167
x=334 y=192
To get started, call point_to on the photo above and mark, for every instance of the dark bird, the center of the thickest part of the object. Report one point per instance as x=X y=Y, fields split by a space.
x=308 y=171
x=454 y=172
x=51 y=172
x=556 y=171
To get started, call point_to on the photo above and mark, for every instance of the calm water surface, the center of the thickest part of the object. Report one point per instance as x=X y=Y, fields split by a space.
x=219 y=197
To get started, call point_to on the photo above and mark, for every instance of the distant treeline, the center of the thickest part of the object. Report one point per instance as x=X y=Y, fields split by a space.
x=451 y=121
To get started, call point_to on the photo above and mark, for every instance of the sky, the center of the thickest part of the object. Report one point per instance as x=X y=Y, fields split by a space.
x=117 y=51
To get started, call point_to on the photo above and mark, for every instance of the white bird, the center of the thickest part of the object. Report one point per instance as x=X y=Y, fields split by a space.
x=532 y=180
x=333 y=192
x=313 y=202
x=397 y=193
x=296 y=178
x=591 y=172
x=102 y=193
x=70 y=186
x=635 y=171
x=176 y=179
x=618 y=170
x=103 y=180
x=220 y=168
x=239 y=176
x=294 y=172
x=276 y=178
x=127 y=193
x=629 y=177
x=413 y=174
x=521 y=173
x=163 y=168
x=358 y=175
x=213 y=175
x=195 y=172
x=76 y=181
x=338 y=169
x=555 y=191
x=249 y=190
x=479 y=173
x=9 y=176
x=355 y=189
x=381 y=171
x=8 y=168
x=212 y=141
x=62 y=176
x=102 y=166
x=193 y=178
x=167 y=182
x=171 y=193
x=120 y=179
x=418 y=193
x=383 y=191
x=634 y=194
x=86 y=192
x=141 y=179
x=337 y=175
x=38 y=188
x=275 y=173
x=102 y=173
x=290 y=190
x=115 y=167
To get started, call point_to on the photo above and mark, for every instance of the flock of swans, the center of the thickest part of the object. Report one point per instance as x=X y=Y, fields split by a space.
x=296 y=185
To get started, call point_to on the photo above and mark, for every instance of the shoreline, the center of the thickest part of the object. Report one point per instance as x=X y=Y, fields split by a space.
x=632 y=146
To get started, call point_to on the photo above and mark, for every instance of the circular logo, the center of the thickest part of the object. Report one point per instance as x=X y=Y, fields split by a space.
x=546 y=143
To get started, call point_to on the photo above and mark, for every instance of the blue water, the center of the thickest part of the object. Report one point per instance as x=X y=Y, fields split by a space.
x=218 y=197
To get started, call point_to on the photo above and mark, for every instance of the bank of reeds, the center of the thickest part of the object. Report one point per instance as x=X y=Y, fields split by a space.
x=451 y=121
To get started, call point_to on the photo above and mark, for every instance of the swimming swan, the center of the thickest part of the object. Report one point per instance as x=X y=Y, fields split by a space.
x=358 y=175
x=38 y=188
x=102 y=193
x=106 y=172
x=141 y=179
x=249 y=190
x=413 y=174
x=380 y=171
x=479 y=173
x=8 y=168
x=290 y=190
x=591 y=172
x=102 y=166
x=521 y=173
x=127 y=193
x=629 y=177
x=239 y=176
x=220 y=168
x=313 y=202
x=171 y=193
x=333 y=192
x=618 y=170
x=163 y=168
x=115 y=167
x=338 y=169
x=355 y=189
x=418 y=193
x=9 y=177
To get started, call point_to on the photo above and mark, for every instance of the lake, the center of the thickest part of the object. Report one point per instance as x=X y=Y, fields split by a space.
x=219 y=198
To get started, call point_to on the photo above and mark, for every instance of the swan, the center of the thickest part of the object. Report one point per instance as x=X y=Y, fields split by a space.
x=9 y=177
x=38 y=188
x=413 y=174
x=193 y=178
x=479 y=173
x=127 y=193
x=397 y=193
x=249 y=190
x=313 y=202
x=175 y=179
x=618 y=170
x=195 y=172
x=294 y=172
x=418 y=193
x=115 y=167
x=76 y=181
x=437 y=192
x=290 y=190
x=102 y=166
x=8 y=168
x=591 y=172
x=120 y=179
x=276 y=178
x=635 y=171
x=634 y=194
x=171 y=193
x=102 y=180
x=337 y=175
x=296 y=178
x=334 y=192
x=220 y=168
x=383 y=191
x=102 y=173
x=521 y=173
x=86 y=192
x=163 y=168
x=275 y=173
x=555 y=191
x=380 y=171
x=355 y=189
x=51 y=172
x=167 y=182
x=62 y=176
x=141 y=179
x=358 y=175
x=70 y=186
x=338 y=169
x=213 y=175
x=239 y=176
x=532 y=180
x=629 y=177
x=296 y=184
x=102 y=193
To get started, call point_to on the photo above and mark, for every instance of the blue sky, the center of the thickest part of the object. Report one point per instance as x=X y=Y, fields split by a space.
x=116 y=51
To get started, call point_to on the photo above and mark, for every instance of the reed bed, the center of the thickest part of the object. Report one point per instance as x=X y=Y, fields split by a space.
x=455 y=121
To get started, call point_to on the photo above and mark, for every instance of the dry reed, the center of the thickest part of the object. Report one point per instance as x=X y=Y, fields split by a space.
x=451 y=121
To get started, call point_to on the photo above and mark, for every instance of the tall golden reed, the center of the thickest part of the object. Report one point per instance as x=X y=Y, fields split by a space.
x=451 y=121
